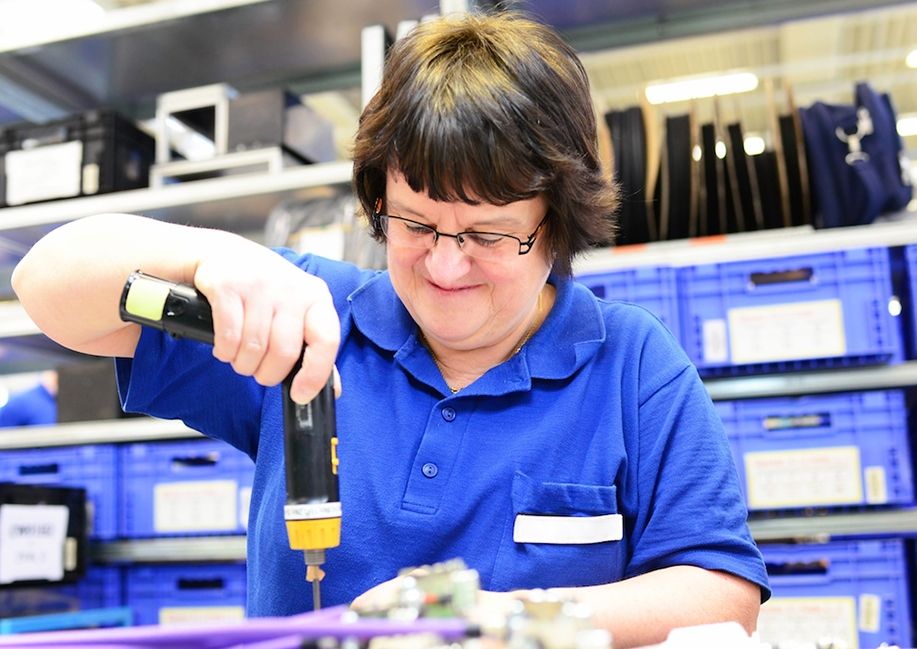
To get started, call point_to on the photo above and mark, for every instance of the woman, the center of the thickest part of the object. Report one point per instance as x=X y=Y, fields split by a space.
x=492 y=409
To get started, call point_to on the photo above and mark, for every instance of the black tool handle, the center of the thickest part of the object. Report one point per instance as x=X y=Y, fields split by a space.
x=310 y=438
x=309 y=429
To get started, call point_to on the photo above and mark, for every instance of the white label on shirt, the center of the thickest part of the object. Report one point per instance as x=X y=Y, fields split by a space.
x=32 y=542
x=52 y=171
x=817 y=476
x=205 y=505
x=716 y=347
x=783 y=332
x=568 y=529
x=804 y=621
x=178 y=615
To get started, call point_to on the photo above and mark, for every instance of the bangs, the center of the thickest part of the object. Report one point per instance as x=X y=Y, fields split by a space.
x=463 y=137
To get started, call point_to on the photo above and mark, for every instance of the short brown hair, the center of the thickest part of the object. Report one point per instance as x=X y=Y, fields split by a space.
x=489 y=107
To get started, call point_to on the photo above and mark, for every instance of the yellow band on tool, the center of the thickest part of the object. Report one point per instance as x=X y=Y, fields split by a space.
x=314 y=534
x=146 y=299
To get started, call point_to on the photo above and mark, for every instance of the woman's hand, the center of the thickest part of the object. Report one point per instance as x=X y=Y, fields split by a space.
x=264 y=310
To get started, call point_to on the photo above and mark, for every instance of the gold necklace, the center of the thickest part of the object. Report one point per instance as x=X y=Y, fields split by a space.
x=533 y=327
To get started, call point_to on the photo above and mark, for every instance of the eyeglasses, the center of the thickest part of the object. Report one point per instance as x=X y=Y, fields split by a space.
x=406 y=233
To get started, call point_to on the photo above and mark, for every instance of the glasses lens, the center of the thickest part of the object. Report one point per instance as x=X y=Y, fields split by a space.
x=484 y=245
x=402 y=232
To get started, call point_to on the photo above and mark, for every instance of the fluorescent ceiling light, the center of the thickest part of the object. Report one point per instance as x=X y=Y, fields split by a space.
x=665 y=92
x=911 y=59
x=754 y=145
x=907 y=125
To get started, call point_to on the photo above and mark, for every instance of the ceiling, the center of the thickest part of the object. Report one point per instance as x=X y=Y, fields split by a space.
x=814 y=49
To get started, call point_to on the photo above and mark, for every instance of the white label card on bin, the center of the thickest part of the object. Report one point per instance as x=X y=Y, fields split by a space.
x=799 y=478
x=32 y=542
x=196 y=506
x=805 y=621
x=51 y=171
x=876 y=485
x=716 y=342
x=245 y=503
x=870 y=613
x=179 y=615
x=783 y=332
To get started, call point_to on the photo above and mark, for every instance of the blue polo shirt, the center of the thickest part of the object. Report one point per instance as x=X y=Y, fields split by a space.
x=601 y=413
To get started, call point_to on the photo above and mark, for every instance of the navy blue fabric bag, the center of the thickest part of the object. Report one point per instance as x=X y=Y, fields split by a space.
x=856 y=161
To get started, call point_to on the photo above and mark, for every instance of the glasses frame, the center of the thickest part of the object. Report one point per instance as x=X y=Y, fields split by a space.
x=525 y=246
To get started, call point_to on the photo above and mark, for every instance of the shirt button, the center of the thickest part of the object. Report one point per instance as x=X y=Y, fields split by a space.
x=448 y=414
x=430 y=470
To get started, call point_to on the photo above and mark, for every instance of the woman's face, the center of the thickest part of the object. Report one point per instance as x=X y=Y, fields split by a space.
x=462 y=302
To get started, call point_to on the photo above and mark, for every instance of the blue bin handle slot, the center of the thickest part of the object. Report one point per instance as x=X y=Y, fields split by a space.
x=807 y=572
x=778 y=426
x=776 y=281
x=211 y=459
x=216 y=583
x=39 y=469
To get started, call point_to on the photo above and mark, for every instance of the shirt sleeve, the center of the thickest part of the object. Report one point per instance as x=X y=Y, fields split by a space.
x=691 y=509
x=180 y=379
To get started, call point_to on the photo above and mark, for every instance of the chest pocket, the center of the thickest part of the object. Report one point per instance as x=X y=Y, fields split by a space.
x=560 y=534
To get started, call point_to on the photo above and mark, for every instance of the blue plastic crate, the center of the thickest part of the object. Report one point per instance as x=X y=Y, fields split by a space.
x=652 y=287
x=100 y=587
x=821 y=450
x=91 y=466
x=185 y=593
x=193 y=487
x=909 y=298
x=804 y=312
x=855 y=592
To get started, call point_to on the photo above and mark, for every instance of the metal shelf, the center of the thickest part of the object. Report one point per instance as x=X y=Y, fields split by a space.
x=237 y=203
x=819 y=528
x=895 y=230
x=171 y=550
x=877 y=377
x=823 y=527
x=138 y=429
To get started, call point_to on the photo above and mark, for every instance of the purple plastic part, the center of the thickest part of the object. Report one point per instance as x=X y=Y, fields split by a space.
x=286 y=632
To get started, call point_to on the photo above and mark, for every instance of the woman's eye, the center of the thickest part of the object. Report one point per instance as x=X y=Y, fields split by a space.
x=417 y=229
x=484 y=239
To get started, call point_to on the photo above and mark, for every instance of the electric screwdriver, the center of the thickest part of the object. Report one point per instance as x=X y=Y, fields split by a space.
x=313 y=508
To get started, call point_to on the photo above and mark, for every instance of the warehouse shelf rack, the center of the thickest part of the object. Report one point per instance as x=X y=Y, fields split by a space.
x=899 y=229
x=820 y=528
x=744 y=387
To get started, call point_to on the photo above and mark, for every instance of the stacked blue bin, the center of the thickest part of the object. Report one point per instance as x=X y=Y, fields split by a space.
x=185 y=593
x=93 y=467
x=821 y=310
x=852 y=593
x=99 y=588
x=831 y=450
x=910 y=297
x=193 y=487
x=653 y=287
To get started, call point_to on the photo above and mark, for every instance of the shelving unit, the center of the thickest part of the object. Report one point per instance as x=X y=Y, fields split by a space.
x=117 y=52
x=817 y=528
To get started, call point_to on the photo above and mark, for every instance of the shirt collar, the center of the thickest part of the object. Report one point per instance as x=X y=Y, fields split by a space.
x=570 y=335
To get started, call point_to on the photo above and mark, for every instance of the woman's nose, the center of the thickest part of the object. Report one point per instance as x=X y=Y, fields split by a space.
x=446 y=262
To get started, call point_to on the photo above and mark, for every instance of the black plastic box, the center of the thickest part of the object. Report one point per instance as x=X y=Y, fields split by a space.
x=75 y=550
x=276 y=117
x=97 y=152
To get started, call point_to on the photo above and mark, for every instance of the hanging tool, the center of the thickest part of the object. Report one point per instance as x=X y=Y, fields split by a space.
x=313 y=508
